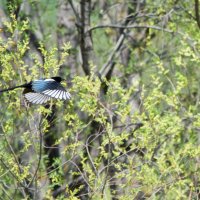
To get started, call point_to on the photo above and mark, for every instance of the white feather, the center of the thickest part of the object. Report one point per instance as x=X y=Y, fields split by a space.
x=49 y=79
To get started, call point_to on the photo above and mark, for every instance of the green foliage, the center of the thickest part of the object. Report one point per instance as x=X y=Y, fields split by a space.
x=151 y=151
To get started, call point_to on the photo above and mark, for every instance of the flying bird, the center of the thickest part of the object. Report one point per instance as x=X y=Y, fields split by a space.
x=42 y=90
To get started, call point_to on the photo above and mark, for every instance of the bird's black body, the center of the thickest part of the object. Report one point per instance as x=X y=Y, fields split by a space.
x=42 y=90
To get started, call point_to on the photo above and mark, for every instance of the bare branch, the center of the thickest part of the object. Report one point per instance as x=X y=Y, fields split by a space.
x=130 y=27
x=74 y=10
x=196 y=8
x=85 y=35
x=105 y=69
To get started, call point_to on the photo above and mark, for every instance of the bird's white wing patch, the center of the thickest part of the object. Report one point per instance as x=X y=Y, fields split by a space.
x=36 y=98
x=49 y=79
x=59 y=93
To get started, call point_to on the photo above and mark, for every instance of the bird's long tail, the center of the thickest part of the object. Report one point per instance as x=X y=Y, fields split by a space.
x=12 y=88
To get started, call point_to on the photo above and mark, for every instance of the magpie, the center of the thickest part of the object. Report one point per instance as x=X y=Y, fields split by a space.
x=42 y=90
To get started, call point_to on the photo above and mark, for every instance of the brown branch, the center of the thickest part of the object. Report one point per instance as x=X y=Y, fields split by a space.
x=74 y=10
x=85 y=36
x=196 y=8
x=130 y=26
x=14 y=176
x=105 y=69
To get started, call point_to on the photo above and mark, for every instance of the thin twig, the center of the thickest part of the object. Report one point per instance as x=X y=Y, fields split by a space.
x=89 y=156
x=6 y=166
x=5 y=192
x=105 y=69
x=143 y=26
x=74 y=10
x=84 y=178
x=130 y=27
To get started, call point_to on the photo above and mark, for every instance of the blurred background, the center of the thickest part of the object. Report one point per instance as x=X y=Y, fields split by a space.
x=132 y=127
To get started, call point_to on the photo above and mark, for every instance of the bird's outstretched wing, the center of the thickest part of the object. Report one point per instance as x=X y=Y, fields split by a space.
x=36 y=98
x=50 y=88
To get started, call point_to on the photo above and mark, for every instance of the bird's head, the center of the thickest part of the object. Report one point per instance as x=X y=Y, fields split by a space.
x=57 y=79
